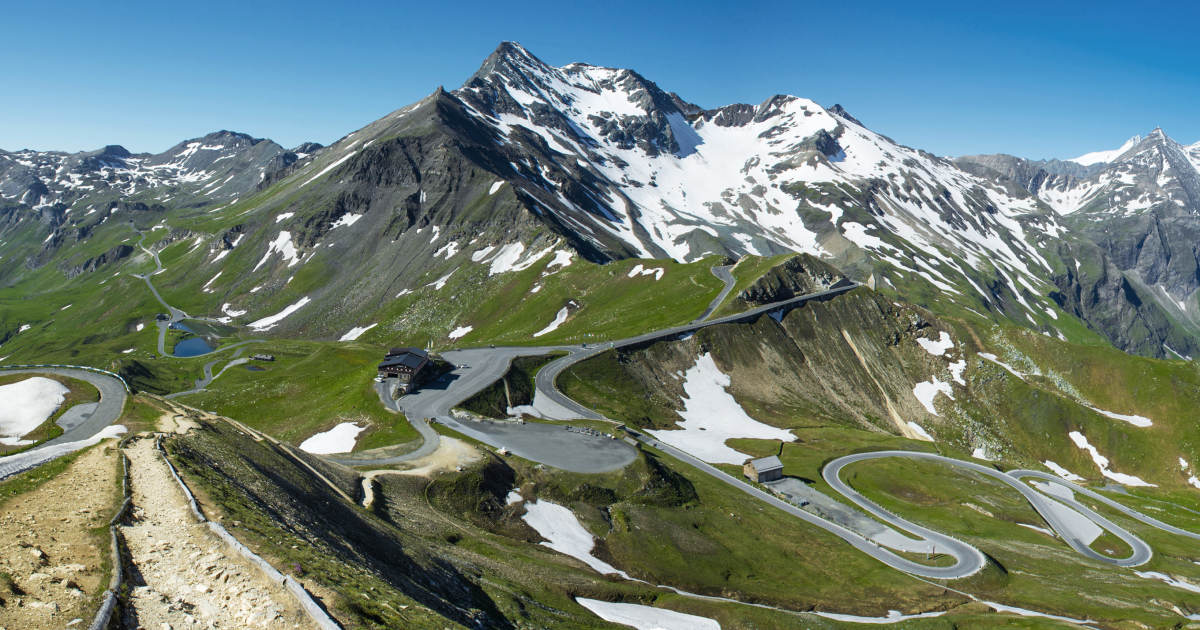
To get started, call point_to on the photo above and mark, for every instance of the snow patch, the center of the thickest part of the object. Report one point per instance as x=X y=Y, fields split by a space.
x=711 y=416
x=559 y=318
x=564 y=534
x=1163 y=577
x=346 y=220
x=26 y=404
x=460 y=332
x=267 y=323
x=637 y=270
x=937 y=348
x=1061 y=472
x=920 y=431
x=356 y=332
x=926 y=391
x=644 y=617
x=1137 y=421
x=339 y=439
x=1102 y=463
x=284 y=246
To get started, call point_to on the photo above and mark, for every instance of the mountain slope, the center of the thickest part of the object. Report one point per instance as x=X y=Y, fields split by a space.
x=1139 y=205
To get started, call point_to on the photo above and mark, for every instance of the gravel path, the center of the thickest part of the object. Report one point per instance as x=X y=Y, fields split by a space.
x=188 y=577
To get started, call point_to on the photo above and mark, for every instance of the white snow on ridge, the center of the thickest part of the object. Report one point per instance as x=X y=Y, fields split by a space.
x=331 y=166
x=495 y=186
x=637 y=270
x=564 y=534
x=339 y=439
x=460 y=332
x=642 y=617
x=1098 y=157
x=26 y=404
x=711 y=416
x=356 y=332
x=1102 y=463
x=267 y=323
x=284 y=217
x=559 y=318
x=937 y=348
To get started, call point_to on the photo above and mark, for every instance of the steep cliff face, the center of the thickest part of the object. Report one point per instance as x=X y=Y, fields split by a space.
x=1117 y=303
x=1139 y=205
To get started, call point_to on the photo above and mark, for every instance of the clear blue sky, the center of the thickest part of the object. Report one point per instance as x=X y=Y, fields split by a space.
x=1039 y=79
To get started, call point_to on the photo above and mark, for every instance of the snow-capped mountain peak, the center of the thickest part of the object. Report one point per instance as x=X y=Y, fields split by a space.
x=1099 y=157
x=636 y=170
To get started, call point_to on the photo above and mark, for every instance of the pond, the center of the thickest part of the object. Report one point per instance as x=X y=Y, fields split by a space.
x=255 y=368
x=192 y=347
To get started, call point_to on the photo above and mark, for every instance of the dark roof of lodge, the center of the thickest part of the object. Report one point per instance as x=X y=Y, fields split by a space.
x=766 y=463
x=411 y=360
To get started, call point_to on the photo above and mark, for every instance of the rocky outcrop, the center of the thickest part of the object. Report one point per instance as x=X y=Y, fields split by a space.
x=797 y=276
x=113 y=255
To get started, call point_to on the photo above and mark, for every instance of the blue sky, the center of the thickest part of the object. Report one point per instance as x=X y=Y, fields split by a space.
x=1016 y=77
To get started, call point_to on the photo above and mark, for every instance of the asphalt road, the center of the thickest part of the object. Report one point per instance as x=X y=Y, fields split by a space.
x=1141 y=552
x=106 y=411
x=968 y=560
x=722 y=274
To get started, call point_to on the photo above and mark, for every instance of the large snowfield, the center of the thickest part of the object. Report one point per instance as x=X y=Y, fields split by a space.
x=711 y=416
x=26 y=404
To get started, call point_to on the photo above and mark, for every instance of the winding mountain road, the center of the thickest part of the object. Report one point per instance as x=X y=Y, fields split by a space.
x=553 y=445
x=478 y=368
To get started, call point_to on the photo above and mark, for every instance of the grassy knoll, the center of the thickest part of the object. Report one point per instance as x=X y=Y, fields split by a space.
x=515 y=388
x=310 y=387
x=747 y=270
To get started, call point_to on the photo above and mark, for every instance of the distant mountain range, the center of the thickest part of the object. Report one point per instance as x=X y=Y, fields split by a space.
x=602 y=161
